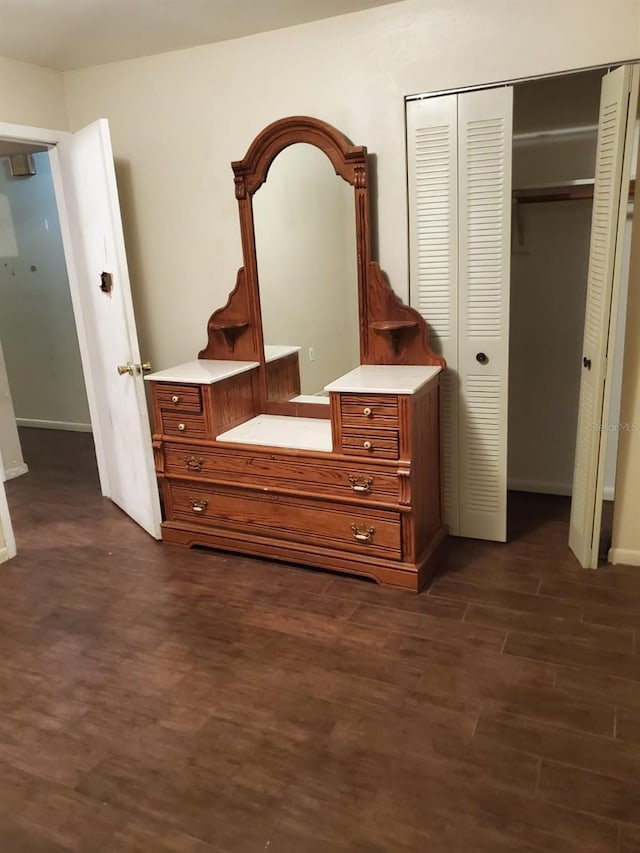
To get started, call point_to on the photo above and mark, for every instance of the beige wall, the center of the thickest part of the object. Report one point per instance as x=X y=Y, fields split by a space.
x=32 y=96
x=178 y=119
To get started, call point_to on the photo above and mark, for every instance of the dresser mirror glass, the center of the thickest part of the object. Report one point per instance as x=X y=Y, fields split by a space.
x=304 y=226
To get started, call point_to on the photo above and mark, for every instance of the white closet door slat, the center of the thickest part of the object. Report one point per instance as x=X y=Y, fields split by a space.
x=618 y=103
x=432 y=154
x=484 y=202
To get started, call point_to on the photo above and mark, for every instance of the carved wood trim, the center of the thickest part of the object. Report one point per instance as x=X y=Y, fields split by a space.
x=394 y=333
x=349 y=161
x=235 y=330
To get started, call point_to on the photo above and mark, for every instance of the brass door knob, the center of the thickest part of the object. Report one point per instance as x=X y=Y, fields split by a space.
x=134 y=369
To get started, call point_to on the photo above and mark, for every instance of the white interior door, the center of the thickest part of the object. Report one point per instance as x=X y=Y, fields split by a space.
x=84 y=177
x=618 y=106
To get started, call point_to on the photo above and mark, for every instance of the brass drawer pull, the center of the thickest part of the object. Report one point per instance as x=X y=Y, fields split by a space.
x=367 y=412
x=182 y=427
x=361 y=484
x=362 y=533
x=198 y=504
x=175 y=399
x=367 y=445
x=194 y=463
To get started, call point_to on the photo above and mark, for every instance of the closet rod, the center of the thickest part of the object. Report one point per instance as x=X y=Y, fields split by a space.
x=556 y=133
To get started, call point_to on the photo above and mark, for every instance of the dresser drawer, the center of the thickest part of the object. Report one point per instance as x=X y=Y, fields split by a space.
x=179 y=398
x=185 y=426
x=378 y=444
x=375 y=411
x=279 y=471
x=315 y=522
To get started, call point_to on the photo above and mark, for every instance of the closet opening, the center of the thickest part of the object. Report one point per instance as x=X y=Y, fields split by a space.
x=555 y=126
x=45 y=426
x=523 y=280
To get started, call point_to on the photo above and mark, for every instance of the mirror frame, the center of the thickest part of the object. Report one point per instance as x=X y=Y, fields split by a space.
x=390 y=331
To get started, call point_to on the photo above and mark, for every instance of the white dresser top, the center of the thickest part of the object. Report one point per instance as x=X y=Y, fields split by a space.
x=204 y=371
x=384 y=379
x=310 y=398
x=272 y=352
x=282 y=431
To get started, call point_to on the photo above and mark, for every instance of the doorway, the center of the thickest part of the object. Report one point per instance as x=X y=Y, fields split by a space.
x=86 y=198
x=554 y=166
x=43 y=385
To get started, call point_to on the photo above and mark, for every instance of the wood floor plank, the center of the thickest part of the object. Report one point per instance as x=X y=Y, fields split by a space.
x=597 y=594
x=629 y=838
x=595 y=753
x=358 y=591
x=427 y=627
x=572 y=654
x=589 y=792
x=505 y=598
x=591 y=684
x=614 y=638
x=628 y=725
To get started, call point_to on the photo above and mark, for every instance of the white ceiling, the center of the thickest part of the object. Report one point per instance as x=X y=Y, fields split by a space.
x=68 y=34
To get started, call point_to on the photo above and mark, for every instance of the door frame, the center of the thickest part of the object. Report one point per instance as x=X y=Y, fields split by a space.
x=51 y=138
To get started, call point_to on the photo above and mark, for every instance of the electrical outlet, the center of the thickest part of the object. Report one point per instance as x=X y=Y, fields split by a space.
x=312 y=354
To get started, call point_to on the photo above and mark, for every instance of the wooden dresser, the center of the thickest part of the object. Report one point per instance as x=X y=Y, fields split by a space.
x=345 y=477
x=358 y=493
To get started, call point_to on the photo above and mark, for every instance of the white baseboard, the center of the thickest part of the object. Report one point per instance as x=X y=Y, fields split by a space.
x=15 y=471
x=65 y=425
x=546 y=488
x=624 y=555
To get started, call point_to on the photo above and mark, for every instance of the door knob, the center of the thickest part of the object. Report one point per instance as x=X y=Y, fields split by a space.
x=134 y=369
x=482 y=357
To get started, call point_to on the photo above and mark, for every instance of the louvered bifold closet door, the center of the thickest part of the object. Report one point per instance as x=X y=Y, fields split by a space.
x=432 y=161
x=618 y=103
x=484 y=201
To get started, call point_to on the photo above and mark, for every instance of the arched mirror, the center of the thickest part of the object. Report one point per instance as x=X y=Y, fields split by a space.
x=305 y=239
x=309 y=303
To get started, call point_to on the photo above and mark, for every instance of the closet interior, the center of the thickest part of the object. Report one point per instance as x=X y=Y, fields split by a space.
x=554 y=147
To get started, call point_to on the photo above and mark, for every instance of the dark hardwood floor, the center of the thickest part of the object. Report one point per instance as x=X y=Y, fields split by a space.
x=170 y=701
